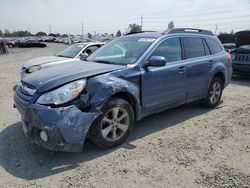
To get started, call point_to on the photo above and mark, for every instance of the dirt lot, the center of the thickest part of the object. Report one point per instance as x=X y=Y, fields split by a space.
x=184 y=147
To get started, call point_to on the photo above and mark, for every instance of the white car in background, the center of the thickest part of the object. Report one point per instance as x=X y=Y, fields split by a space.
x=68 y=55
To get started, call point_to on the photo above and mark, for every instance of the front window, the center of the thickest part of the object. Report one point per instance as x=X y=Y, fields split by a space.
x=170 y=49
x=71 y=51
x=122 y=51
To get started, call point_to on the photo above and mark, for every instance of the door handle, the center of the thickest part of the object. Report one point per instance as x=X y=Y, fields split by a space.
x=211 y=62
x=182 y=69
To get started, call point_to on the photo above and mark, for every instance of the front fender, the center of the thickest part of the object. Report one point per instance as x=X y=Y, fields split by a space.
x=101 y=88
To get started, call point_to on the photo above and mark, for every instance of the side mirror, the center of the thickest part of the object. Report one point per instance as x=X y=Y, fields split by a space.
x=83 y=56
x=156 y=61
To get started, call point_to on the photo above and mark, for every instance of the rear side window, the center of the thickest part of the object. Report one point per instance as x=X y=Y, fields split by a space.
x=214 y=47
x=170 y=49
x=193 y=47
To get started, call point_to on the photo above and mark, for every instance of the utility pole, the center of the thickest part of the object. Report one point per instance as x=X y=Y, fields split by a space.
x=216 y=29
x=141 y=22
x=82 y=32
x=49 y=29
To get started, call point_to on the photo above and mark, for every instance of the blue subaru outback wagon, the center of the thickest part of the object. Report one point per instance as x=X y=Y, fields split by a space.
x=125 y=80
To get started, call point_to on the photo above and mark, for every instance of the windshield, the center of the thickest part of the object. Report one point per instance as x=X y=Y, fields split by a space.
x=246 y=47
x=71 y=51
x=122 y=51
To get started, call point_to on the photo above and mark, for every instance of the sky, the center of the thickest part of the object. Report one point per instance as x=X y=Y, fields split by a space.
x=100 y=16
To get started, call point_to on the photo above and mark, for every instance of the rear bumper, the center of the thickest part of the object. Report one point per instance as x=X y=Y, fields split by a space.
x=241 y=67
x=66 y=127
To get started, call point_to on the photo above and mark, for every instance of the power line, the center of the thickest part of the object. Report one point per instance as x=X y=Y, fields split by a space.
x=208 y=19
x=220 y=8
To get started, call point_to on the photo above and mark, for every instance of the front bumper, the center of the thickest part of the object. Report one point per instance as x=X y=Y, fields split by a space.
x=241 y=67
x=66 y=127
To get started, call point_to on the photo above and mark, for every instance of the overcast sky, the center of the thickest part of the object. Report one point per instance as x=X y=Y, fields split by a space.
x=66 y=16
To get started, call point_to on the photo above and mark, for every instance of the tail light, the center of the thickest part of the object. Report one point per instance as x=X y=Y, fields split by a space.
x=229 y=57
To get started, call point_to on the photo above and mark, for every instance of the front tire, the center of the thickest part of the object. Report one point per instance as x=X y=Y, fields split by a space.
x=114 y=125
x=214 y=93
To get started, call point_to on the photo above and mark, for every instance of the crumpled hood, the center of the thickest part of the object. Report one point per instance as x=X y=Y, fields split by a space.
x=55 y=76
x=43 y=60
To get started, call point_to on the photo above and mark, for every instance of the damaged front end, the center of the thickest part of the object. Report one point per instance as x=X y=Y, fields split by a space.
x=241 y=55
x=58 y=129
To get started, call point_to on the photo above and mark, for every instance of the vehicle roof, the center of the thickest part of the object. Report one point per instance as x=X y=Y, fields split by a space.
x=246 y=32
x=176 y=32
x=146 y=34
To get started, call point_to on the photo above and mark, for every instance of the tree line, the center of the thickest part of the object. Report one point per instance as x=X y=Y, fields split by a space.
x=132 y=28
x=26 y=33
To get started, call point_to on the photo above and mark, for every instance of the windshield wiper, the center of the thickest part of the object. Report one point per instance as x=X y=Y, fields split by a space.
x=63 y=56
x=103 y=61
x=59 y=55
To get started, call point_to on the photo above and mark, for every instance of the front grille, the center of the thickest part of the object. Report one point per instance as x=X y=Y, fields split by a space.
x=242 y=57
x=23 y=94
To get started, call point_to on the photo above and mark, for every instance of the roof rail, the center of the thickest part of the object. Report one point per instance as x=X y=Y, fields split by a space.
x=139 y=32
x=188 y=30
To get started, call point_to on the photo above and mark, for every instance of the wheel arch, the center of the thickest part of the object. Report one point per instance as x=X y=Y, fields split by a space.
x=221 y=75
x=129 y=98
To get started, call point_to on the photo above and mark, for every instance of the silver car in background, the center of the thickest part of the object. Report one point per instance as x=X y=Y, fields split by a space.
x=70 y=54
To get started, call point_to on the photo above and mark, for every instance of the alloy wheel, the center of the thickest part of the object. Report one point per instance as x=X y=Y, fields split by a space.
x=115 y=124
x=215 y=92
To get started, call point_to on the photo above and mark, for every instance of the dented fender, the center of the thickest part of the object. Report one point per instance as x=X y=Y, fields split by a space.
x=102 y=87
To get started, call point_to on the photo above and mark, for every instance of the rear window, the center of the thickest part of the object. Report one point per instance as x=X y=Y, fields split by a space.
x=193 y=47
x=214 y=47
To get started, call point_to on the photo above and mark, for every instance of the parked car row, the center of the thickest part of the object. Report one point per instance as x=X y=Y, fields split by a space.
x=30 y=43
x=100 y=96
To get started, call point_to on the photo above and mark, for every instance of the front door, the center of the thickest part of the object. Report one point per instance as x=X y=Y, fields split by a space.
x=166 y=85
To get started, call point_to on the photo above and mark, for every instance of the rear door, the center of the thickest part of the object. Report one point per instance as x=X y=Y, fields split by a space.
x=166 y=85
x=198 y=66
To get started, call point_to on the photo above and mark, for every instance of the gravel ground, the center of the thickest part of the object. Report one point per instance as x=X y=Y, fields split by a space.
x=187 y=146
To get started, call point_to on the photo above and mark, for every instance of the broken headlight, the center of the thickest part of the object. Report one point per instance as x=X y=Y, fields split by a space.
x=63 y=94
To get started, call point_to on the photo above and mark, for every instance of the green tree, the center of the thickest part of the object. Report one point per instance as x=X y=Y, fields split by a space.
x=118 y=33
x=21 y=34
x=52 y=35
x=134 y=28
x=7 y=33
x=64 y=35
x=41 y=33
x=90 y=36
x=171 y=25
x=1 y=33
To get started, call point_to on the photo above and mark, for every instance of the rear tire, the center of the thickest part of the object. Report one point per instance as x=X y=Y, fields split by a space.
x=214 y=93
x=114 y=125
